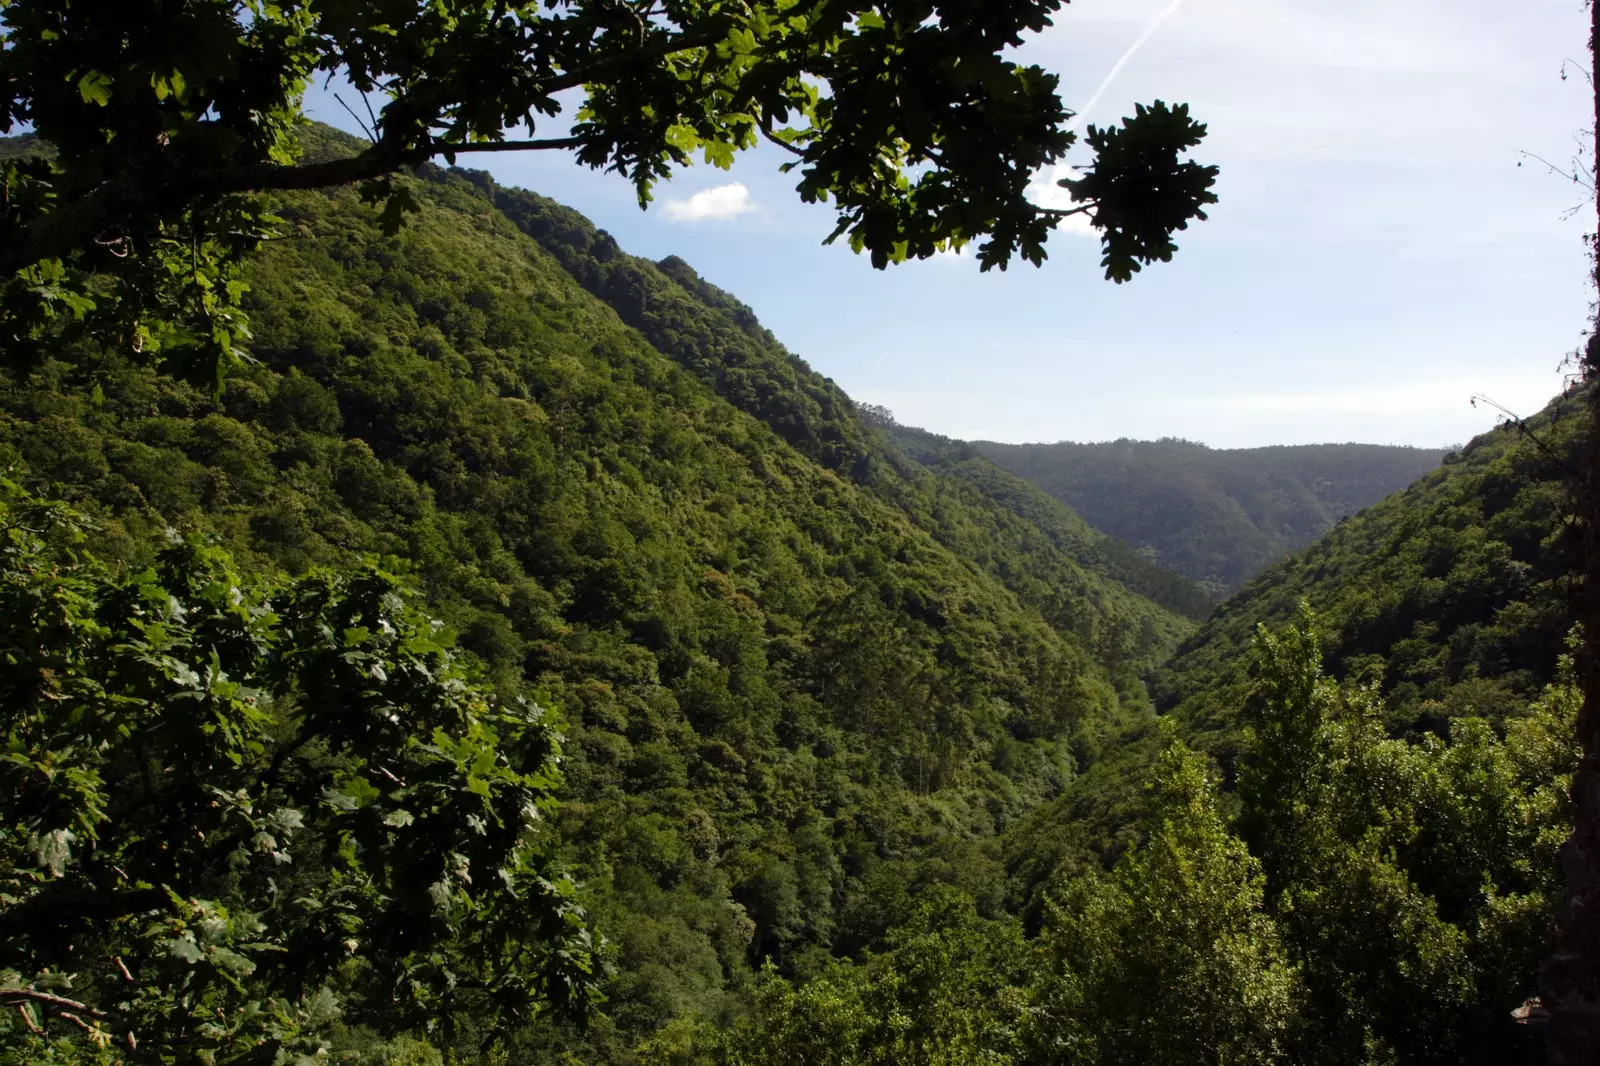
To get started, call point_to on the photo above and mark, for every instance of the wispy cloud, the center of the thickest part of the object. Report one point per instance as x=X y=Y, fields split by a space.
x=1045 y=189
x=1133 y=49
x=717 y=202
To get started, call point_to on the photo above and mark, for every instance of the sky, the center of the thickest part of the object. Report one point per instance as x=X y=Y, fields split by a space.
x=1378 y=256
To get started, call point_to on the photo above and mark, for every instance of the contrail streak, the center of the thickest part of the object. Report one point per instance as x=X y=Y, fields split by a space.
x=1149 y=31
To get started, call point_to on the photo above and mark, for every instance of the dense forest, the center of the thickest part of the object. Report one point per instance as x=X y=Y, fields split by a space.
x=801 y=677
x=1214 y=515
x=524 y=658
x=1451 y=598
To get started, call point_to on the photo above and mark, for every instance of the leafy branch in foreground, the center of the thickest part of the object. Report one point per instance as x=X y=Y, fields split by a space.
x=234 y=815
x=166 y=120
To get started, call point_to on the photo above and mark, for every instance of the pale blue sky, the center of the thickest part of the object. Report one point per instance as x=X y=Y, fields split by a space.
x=1377 y=257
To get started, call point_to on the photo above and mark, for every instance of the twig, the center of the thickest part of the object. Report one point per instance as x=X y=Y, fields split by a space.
x=368 y=105
x=13 y=996
x=371 y=134
x=28 y=1020
x=1527 y=431
x=785 y=145
x=1573 y=176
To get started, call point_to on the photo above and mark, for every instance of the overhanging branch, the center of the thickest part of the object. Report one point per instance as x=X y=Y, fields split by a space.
x=75 y=225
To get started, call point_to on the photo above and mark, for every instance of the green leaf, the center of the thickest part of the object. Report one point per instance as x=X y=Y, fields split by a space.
x=232 y=962
x=95 y=88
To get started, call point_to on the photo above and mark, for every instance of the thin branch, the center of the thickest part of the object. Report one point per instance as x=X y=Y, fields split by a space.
x=508 y=146
x=1527 y=431
x=367 y=103
x=372 y=135
x=1574 y=176
x=1060 y=212
x=618 y=63
x=785 y=145
x=14 y=996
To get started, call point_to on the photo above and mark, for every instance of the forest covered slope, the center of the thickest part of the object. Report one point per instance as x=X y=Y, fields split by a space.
x=998 y=520
x=1450 y=595
x=1216 y=516
x=862 y=754
x=802 y=676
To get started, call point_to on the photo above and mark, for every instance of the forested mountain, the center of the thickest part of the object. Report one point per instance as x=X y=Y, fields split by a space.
x=801 y=675
x=799 y=737
x=1216 y=516
x=960 y=462
x=1450 y=596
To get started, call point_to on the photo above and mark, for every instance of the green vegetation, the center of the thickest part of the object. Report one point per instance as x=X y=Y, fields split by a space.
x=800 y=686
x=1041 y=513
x=754 y=729
x=1374 y=901
x=242 y=815
x=1449 y=596
x=1216 y=516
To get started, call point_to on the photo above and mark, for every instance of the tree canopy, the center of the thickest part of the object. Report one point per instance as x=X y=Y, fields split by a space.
x=161 y=119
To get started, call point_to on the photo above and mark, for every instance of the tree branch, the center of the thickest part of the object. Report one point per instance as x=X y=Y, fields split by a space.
x=1058 y=212
x=785 y=145
x=169 y=183
x=619 y=62
x=509 y=146
x=75 y=225
x=15 y=996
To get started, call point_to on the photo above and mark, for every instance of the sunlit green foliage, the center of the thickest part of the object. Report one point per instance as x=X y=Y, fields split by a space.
x=1449 y=595
x=947 y=990
x=1377 y=900
x=1172 y=958
x=1414 y=882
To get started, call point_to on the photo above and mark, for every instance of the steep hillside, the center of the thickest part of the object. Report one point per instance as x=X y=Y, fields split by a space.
x=1039 y=513
x=719 y=340
x=1215 y=516
x=802 y=675
x=1448 y=595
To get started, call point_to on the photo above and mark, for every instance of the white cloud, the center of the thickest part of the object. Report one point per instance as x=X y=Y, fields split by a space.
x=717 y=202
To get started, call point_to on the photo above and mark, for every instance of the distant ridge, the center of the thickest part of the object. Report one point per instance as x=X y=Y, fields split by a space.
x=1448 y=595
x=1216 y=516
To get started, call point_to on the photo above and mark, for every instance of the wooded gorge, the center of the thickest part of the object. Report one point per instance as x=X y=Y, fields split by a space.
x=751 y=730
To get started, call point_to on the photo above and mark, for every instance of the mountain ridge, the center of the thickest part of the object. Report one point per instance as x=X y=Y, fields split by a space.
x=1217 y=516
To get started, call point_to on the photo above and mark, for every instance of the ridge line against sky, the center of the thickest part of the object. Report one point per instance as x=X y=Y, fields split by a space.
x=1377 y=257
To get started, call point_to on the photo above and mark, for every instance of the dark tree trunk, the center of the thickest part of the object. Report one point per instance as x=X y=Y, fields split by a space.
x=1570 y=983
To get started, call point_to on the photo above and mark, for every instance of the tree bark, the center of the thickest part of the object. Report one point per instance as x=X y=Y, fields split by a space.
x=1570 y=980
